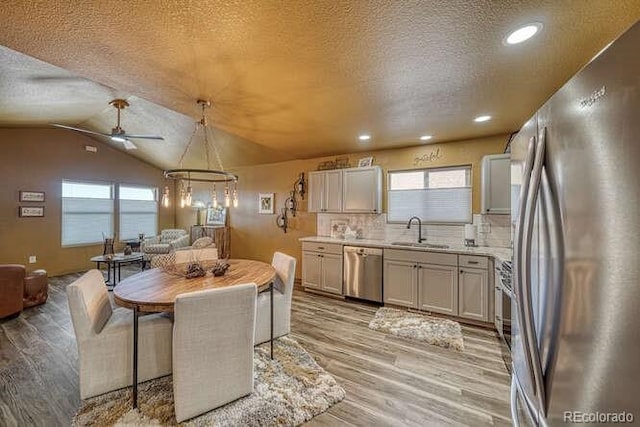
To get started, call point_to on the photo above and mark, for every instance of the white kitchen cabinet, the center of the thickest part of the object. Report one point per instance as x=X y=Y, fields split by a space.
x=325 y=191
x=473 y=294
x=438 y=288
x=311 y=270
x=332 y=273
x=496 y=184
x=400 y=283
x=362 y=190
x=322 y=267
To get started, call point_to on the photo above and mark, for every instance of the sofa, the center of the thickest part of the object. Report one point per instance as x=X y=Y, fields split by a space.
x=167 y=241
x=19 y=290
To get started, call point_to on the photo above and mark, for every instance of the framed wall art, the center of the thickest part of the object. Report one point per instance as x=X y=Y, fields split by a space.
x=30 y=211
x=365 y=162
x=31 y=196
x=265 y=203
x=216 y=216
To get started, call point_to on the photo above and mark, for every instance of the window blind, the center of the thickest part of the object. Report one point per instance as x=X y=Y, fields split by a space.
x=86 y=220
x=138 y=212
x=430 y=205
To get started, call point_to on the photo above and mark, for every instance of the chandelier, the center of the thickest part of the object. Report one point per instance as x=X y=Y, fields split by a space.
x=184 y=177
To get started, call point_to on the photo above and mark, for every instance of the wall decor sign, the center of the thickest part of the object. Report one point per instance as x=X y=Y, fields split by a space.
x=32 y=196
x=365 y=162
x=265 y=203
x=31 y=211
x=429 y=157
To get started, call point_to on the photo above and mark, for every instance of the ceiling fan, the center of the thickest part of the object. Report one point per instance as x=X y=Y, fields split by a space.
x=117 y=133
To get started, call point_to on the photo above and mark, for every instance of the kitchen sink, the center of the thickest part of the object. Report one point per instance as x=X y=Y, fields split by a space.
x=421 y=245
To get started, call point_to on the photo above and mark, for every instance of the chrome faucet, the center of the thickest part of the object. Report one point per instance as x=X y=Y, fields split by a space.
x=420 y=239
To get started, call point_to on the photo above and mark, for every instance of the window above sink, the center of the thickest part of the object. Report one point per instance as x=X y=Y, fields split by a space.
x=436 y=195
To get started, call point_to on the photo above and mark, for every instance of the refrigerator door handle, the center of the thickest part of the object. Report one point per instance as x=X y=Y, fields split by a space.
x=527 y=308
x=514 y=402
x=517 y=255
x=556 y=237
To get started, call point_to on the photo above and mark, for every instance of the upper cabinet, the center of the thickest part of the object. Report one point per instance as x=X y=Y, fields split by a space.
x=362 y=189
x=354 y=190
x=325 y=191
x=496 y=184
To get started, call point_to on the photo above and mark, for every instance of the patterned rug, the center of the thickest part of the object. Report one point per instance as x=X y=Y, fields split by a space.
x=288 y=390
x=433 y=330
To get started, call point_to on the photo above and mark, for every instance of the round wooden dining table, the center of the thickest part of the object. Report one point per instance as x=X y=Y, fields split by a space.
x=155 y=290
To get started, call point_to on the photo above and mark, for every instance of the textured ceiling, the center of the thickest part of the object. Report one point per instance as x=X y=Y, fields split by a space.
x=302 y=78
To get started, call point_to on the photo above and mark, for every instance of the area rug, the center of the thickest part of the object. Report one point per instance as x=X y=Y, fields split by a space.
x=433 y=330
x=289 y=390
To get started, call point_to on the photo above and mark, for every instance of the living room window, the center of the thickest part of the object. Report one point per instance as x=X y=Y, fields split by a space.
x=87 y=212
x=439 y=195
x=138 y=211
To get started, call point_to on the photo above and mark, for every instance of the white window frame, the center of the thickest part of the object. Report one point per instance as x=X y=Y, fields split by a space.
x=469 y=187
x=62 y=211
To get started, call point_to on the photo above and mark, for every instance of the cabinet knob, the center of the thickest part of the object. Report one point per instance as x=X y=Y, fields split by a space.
x=461 y=271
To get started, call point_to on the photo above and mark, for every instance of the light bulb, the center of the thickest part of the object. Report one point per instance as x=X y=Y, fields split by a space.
x=182 y=199
x=188 y=198
x=227 y=199
x=235 y=198
x=165 y=197
x=214 y=197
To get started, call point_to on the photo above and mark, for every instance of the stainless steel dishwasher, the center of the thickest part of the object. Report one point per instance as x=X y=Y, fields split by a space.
x=363 y=273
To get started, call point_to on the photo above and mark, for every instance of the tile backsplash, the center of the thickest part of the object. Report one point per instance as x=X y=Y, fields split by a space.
x=493 y=230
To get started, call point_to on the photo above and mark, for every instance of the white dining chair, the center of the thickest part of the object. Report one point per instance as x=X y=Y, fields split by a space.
x=285 y=266
x=105 y=339
x=212 y=348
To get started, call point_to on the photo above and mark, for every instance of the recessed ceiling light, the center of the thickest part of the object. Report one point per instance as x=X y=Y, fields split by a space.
x=425 y=137
x=364 y=137
x=523 y=33
x=481 y=119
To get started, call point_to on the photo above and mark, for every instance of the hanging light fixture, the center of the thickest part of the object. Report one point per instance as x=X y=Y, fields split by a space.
x=165 y=197
x=202 y=175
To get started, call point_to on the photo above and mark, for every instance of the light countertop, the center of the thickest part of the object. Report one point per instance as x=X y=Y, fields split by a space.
x=500 y=254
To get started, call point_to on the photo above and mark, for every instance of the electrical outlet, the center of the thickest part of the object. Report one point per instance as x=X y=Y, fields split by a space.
x=32 y=259
x=484 y=228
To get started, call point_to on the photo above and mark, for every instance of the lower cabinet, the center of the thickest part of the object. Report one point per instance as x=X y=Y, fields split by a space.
x=322 y=271
x=473 y=300
x=331 y=273
x=438 y=288
x=400 y=283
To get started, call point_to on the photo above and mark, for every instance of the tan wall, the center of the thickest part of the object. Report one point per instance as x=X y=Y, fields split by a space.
x=256 y=236
x=38 y=160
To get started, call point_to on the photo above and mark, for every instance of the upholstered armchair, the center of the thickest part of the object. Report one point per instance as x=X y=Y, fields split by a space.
x=285 y=266
x=105 y=338
x=167 y=241
x=19 y=290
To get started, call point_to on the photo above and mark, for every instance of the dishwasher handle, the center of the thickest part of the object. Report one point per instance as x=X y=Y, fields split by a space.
x=363 y=251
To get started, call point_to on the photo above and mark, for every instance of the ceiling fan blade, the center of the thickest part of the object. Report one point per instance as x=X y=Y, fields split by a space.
x=128 y=145
x=144 y=137
x=80 y=130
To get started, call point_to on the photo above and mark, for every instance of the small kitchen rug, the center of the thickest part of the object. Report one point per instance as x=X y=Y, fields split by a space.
x=288 y=390
x=432 y=330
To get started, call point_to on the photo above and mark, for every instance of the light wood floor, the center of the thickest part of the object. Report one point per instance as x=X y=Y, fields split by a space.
x=389 y=380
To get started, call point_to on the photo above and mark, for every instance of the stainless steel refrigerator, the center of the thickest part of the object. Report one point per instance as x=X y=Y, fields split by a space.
x=575 y=185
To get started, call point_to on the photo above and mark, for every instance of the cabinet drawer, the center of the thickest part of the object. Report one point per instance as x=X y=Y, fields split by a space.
x=474 y=261
x=327 y=248
x=437 y=258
